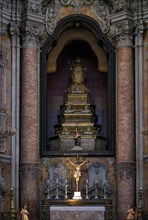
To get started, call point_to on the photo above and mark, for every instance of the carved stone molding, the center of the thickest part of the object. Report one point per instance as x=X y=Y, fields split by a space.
x=52 y=14
x=121 y=5
x=100 y=8
x=6 y=5
x=121 y=34
x=32 y=34
x=145 y=5
x=102 y=11
x=28 y=35
x=76 y=3
x=139 y=27
x=3 y=29
x=33 y=7
x=126 y=170
x=3 y=58
x=29 y=168
x=128 y=5
x=14 y=28
x=2 y=181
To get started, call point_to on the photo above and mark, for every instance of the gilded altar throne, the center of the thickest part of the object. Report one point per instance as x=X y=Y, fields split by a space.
x=77 y=114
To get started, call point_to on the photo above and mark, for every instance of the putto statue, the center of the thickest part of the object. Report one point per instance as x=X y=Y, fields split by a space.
x=24 y=213
x=78 y=73
x=77 y=138
x=130 y=213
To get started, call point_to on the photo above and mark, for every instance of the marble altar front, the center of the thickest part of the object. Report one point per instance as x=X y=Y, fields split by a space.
x=77 y=212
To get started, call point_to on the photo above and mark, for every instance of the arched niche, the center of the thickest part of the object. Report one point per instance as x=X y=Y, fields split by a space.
x=73 y=34
x=104 y=52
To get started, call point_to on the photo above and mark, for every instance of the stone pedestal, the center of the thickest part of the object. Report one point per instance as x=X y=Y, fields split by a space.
x=77 y=195
x=69 y=145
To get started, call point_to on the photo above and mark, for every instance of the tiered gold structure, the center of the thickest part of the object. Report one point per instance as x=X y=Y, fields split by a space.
x=77 y=114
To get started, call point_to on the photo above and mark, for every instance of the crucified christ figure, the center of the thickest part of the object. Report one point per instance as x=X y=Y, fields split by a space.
x=77 y=172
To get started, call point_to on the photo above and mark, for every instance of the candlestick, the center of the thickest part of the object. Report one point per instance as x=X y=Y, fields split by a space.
x=66 y=186
x=87 y=189
x=96 y=189
x=57 y=189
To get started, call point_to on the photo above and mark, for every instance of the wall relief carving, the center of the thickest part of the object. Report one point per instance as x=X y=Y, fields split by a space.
x=76 y=3
x=55 y=8
x=102 y=11
x=32 y=33
x=121 y=5
x=121 y=33
x=33 y=7
x=98 y=172
x=57 y=181
x=58 y=184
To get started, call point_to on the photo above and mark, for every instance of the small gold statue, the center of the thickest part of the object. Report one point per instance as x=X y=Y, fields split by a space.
x=24 y=213
x=77 y=172
x=130 y=213
x=77 y=138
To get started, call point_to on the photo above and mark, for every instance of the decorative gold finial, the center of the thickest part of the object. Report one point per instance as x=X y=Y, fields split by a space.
x=12 y=207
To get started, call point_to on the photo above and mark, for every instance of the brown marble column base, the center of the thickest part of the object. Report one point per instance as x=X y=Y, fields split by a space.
x=126 y=177
x=29 y=188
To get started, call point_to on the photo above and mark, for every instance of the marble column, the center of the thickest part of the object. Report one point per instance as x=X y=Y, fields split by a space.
x=29 y=126
x=125 y=150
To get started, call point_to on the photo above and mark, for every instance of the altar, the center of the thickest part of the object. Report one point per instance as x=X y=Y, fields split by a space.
x=77 y=212
x=73 y=209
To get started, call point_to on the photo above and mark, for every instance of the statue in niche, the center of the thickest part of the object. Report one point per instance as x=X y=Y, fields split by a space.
x=77 y=172
x=77 y=138
x=78 y=74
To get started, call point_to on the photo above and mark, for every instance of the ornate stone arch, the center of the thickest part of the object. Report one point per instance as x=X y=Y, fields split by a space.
x=103 y=42
x=71 y=35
